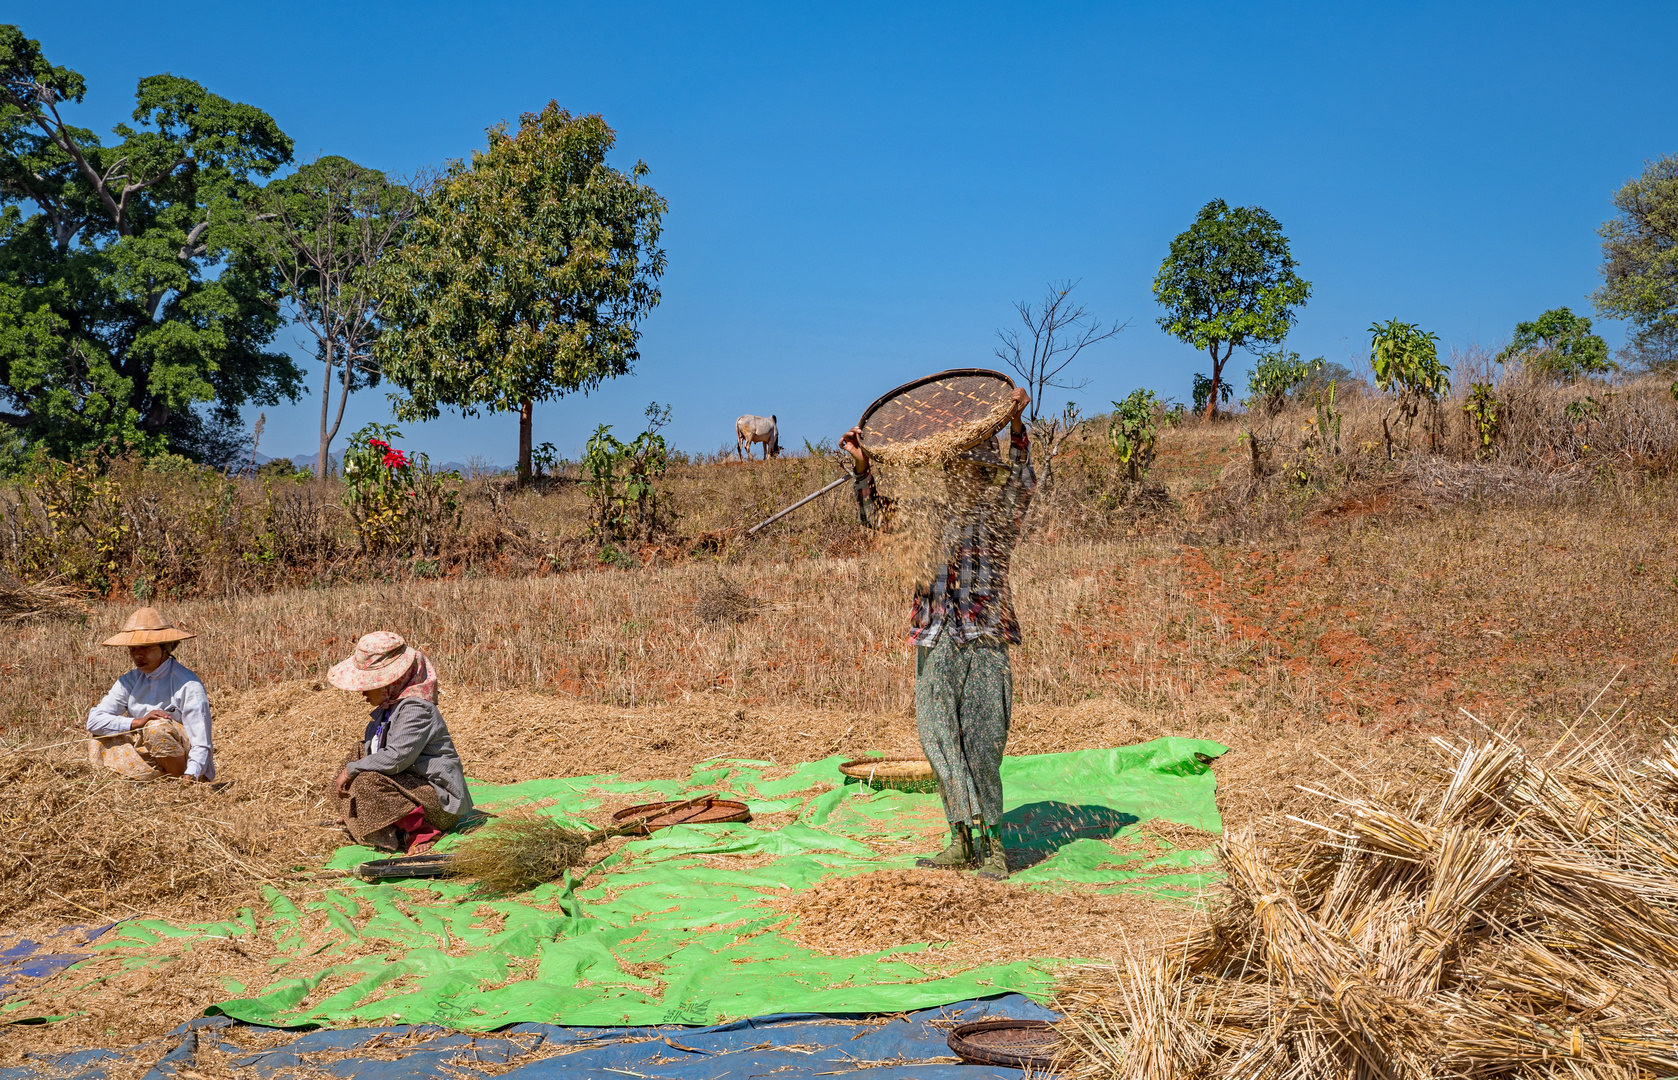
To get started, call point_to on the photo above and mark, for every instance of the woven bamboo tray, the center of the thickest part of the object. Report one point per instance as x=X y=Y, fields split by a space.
x=903 y=774
x=1013 y=1044
x=709 y=810
x=960 y=407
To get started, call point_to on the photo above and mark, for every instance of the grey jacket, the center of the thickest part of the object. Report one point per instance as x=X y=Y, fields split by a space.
x=416 y=740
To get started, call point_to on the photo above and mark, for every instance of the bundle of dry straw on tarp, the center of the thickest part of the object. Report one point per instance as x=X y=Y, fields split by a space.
x=1510 y=916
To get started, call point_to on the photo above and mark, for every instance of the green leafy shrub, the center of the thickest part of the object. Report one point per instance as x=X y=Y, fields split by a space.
x=1278 y=375
x=1203 y=392
x=1485 y=412
x=622 y=480
x=1559 y=345
x=1133 y=430
x=1407 y=365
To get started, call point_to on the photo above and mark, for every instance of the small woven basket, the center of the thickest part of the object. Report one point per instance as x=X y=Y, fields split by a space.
x=1013 y=1044
x=901 y=774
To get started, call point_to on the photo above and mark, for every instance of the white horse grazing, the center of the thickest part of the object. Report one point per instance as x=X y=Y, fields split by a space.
x=757 y=429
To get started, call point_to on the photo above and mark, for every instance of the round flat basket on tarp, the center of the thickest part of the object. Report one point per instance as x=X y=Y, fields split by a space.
x=934 y=419
x=1013 y=1044
x=661 y=815
x=903 y=774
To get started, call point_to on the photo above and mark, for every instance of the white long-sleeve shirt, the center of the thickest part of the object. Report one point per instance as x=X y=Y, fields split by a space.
x=173 y=688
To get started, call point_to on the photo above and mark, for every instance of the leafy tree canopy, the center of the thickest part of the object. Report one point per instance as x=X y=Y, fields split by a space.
x=1640 y=259
x=125 y=300
x=1229 y=282
x=524 y=276
x=1560 y=345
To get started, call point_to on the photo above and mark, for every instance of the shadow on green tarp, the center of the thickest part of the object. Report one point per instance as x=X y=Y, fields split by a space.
x=673 y=929
x=1036 y=831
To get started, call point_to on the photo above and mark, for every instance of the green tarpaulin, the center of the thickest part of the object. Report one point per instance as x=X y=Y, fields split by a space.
x=668 y=931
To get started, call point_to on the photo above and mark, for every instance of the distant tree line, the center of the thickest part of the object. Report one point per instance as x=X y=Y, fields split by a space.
x=145 y=276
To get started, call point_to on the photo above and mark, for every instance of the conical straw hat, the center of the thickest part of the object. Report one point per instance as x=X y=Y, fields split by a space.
x=148 y=627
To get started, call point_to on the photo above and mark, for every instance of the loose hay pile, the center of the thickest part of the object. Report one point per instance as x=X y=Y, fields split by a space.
x=23 y=602
x=726 y=601
x=1514 y=916
x=82 y=841
x=983 y=921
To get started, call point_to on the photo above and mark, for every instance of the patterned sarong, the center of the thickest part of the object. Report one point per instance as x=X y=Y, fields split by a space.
x=159 y=749
x=376 y=803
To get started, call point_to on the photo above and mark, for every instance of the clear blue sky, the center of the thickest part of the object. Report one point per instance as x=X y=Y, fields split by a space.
x=859 y=192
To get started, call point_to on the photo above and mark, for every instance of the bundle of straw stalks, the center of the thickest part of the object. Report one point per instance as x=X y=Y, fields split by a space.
x=1509 y=915
x=520 y=851
x=50 y=599
x=526 y=848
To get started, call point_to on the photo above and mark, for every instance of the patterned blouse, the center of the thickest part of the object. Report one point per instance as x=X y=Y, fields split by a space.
x=971 y=597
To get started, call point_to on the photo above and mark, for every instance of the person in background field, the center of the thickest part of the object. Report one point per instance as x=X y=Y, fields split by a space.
x=408 y=787
x=155 y=720
x=961 y=624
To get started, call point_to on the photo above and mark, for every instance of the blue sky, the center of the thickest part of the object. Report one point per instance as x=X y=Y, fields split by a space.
x=858 y=193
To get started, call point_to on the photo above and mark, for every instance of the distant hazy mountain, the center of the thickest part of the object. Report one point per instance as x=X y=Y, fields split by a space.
x=307 y=461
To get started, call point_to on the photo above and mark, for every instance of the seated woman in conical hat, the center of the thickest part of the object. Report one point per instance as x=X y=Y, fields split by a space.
x=155 y=720
x=408 y=785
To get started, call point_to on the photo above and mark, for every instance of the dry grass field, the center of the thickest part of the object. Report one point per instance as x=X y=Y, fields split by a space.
x=1347 y=618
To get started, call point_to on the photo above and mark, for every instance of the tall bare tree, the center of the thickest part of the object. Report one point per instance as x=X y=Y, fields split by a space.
x=322 y=230
x=1052 y=334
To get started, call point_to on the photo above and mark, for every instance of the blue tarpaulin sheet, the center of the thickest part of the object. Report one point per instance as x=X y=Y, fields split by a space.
x=789 y=1047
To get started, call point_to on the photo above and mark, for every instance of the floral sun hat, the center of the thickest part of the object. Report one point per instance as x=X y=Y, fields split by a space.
x=380 y=659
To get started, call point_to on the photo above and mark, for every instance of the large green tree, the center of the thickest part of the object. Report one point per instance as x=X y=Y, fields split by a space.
x=1559 y=345
x=524 y=276
x=1229 y=282
x=125 y=300
x=322 y=231
x=1640 y=261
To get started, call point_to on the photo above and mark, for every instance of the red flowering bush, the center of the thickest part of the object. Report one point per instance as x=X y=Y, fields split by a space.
x=395 y=501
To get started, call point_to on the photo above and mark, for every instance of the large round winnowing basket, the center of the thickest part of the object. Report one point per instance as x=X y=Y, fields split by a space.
x=903 y=774
x=962 y=406
x=661 y=815
x=1013 y=1044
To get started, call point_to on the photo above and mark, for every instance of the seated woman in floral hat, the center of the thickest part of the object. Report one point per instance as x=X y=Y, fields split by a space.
x=408 y=787
x=155 y=720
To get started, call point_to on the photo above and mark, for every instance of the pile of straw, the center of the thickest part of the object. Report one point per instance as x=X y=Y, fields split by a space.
x=1513 y=916
x=22 y=602
x=82 y=841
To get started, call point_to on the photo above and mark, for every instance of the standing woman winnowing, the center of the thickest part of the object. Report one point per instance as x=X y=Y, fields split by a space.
x=155 y=720
x=961 y=623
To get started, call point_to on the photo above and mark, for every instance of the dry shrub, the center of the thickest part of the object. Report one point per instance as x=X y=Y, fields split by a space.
x=171 y=528
x=1511 y=915
x=726 y=601
x=979 y=921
